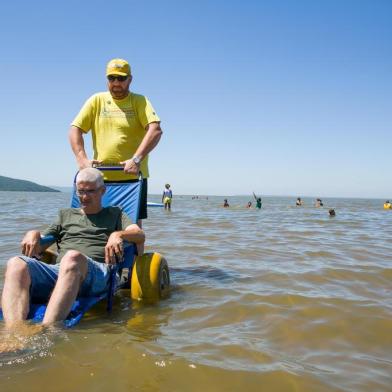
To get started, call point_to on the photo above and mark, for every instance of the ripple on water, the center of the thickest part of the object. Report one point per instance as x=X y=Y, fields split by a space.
x=27 y=344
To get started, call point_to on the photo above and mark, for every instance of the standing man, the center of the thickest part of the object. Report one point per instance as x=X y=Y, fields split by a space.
x=125 y=128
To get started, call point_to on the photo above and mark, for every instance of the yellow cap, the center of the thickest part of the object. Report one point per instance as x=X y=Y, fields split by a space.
x=118 y=67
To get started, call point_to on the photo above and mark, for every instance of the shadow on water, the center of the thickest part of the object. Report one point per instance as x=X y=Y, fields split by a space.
x=200 y=273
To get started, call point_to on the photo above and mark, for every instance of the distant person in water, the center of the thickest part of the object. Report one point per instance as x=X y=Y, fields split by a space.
x=249 y=204
x=167 y=196
x=225 y=203
x=299 y=202
x=258 y=201
x=319 y=203
x=387 y=205
x=332 y=212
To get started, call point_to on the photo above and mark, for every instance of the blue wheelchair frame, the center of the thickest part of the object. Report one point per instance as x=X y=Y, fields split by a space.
x=127 y=196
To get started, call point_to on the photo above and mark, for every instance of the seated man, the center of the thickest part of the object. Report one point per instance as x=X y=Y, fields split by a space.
x=90 y=239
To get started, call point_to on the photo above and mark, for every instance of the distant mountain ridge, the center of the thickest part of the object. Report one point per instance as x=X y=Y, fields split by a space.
x=15 y=185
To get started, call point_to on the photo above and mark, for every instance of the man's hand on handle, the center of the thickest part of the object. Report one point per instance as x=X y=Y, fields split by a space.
x=84 y=163
x=131 y=167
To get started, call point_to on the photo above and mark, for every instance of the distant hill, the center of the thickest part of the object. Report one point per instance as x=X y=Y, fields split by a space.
x=12 y=184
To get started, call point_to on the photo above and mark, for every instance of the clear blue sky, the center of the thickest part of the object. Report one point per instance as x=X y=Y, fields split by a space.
x=277 y=97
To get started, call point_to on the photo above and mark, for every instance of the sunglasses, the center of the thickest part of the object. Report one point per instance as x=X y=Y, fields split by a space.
x=112 y=78
x=87 y=192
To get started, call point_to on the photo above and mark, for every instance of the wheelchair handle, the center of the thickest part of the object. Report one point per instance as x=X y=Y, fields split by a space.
x=109 y=168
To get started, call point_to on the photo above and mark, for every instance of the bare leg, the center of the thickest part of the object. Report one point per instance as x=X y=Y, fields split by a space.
x=73 y=271
x=16 y=296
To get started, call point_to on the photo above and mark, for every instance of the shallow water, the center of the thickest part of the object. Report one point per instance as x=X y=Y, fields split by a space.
x=282 y=299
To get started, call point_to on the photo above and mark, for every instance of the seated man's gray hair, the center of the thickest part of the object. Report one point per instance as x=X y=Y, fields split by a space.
x=90 y=174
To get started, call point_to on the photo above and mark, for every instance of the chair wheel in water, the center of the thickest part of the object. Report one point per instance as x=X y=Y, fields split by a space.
x=150 y=278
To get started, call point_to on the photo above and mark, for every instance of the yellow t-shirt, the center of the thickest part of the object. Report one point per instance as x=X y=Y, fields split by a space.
x=118 y=127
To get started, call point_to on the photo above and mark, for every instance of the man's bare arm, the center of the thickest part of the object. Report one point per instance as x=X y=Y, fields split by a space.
x=149 y=142
x=114 y=247
x=77 y=144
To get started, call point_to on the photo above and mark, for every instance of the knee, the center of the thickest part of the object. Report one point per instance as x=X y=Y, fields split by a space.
x=73 y=255
x=16 y=267
x=73 y=263
x=16 y=264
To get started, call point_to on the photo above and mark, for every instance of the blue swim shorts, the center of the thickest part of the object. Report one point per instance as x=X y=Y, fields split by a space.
x=44 y=277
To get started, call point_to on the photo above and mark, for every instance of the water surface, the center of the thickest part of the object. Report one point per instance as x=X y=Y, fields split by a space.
x=280 y=299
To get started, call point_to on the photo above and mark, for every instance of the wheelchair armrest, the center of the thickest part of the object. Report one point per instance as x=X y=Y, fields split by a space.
x=47 y=240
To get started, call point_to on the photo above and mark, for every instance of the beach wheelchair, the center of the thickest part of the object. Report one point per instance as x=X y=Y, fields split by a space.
x=146 y=276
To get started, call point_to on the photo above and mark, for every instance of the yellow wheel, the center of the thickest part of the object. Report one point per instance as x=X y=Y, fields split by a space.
x=150 y=278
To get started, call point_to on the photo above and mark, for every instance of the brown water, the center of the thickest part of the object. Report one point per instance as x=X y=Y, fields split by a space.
x=282 y=299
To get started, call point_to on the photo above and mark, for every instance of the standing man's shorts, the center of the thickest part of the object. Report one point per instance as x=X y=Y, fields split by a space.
x=44 y=277
x=143 y=200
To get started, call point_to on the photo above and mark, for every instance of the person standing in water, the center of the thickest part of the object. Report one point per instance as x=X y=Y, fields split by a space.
x=167 y=197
